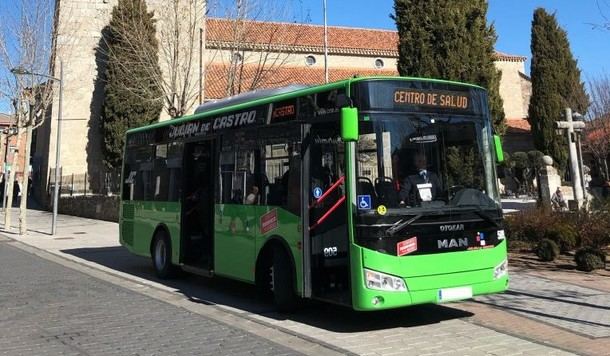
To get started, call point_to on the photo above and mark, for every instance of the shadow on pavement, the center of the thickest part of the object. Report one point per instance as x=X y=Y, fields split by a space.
x=242 y=296
x=547 y=315
x=558 y=298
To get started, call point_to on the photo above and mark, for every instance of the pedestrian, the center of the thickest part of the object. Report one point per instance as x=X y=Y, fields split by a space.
x=558 y=201
x=16 y=192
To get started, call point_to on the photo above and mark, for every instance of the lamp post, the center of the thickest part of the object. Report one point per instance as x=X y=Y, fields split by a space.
x=60 y=80
x=325 y=45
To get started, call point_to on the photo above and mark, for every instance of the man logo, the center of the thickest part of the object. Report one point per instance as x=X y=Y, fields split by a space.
x=452 y=243
x=454 y=227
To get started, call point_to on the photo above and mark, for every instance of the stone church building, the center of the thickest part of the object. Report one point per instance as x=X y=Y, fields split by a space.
x=236 y=57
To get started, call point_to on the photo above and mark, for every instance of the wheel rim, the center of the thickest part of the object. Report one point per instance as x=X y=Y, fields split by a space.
x=272 y=279
x=160 y=254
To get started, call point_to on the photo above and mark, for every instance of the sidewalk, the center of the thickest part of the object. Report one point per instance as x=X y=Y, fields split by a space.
x=569 y=310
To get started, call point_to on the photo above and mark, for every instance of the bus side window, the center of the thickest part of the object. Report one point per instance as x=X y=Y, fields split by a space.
x=238 y=171
x=160 y=173
x=142 y=165
x=280 y=165
x=174 y=164
x=129 y=175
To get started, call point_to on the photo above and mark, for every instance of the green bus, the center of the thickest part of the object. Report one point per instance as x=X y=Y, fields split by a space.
x=371 y=192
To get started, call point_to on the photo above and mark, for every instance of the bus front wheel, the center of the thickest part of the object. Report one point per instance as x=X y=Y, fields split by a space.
x=162 y=256
x=282 y=281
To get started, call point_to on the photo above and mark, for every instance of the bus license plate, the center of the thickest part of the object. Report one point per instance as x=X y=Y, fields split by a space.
x=451 y=294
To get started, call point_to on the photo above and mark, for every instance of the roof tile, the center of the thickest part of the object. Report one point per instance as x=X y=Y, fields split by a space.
x=224 y=33
x=217 y=77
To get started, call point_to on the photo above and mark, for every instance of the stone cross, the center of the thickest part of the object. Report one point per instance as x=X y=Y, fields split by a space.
x=571 y=126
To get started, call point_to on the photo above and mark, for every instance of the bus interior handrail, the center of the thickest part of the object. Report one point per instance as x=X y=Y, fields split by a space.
x=328 y=191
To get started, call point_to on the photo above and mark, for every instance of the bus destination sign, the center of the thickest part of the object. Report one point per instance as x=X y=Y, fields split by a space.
x=451 y=100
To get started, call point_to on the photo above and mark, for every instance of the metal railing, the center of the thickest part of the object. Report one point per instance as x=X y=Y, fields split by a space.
x=90 y=183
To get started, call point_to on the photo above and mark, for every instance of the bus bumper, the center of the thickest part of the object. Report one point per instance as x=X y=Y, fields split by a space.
x=447 y=284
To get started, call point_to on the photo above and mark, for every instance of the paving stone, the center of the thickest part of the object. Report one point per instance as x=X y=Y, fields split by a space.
x=578 y=309
x=50 y=309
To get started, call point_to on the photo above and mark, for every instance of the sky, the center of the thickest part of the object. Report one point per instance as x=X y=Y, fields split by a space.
x=512 y=19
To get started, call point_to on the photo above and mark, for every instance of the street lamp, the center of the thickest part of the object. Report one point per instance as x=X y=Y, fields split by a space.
x=325 y=44
x=60 y=80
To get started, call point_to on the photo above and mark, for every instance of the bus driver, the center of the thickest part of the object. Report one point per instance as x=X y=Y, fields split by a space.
x=422 y=186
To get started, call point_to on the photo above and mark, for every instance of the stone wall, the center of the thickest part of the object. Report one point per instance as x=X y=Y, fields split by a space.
x=98 y=207
x=297 y=59
x=515 y=88
x=79 y=26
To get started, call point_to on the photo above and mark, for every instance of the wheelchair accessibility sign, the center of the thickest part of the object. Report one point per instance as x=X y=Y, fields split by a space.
x=364 y=202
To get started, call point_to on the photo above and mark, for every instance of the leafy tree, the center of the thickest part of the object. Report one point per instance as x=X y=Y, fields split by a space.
x=449 y=39
x=556 y=85
x=126 y=108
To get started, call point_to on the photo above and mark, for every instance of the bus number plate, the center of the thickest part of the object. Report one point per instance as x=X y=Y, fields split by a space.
x=451 y=294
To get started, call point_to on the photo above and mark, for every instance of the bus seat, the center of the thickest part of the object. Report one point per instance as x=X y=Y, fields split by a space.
x=365 y=187
x=386 y=192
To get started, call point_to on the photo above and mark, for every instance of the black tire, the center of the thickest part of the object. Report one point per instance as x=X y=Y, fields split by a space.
x=282 y=281
x=161 y=253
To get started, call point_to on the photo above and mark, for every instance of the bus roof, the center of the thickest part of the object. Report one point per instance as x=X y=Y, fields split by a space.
x=286 y=95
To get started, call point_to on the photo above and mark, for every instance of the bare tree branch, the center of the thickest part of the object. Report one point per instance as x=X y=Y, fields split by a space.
x=178 y=24
x=251 y=57
x=27 y=43
x=597 y=132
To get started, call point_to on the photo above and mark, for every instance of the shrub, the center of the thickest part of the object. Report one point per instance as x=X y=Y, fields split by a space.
x=594 y=228
x=547 y=250
x=590 y=258
x=564 y=234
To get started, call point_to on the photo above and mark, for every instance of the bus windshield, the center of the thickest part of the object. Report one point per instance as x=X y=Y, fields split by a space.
x=418 y=163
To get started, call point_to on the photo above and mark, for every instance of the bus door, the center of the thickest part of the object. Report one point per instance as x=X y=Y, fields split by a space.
x=328 y=215
x=237 y=214
x=198 y=204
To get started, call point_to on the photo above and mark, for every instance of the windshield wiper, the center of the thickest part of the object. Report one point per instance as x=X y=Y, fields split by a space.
x=401 y=224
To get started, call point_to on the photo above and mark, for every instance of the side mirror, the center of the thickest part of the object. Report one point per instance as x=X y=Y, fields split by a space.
x=349 y=124
x=498 y=147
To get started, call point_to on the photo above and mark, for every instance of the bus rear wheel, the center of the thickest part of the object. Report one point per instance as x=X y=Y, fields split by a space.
x=161 y=253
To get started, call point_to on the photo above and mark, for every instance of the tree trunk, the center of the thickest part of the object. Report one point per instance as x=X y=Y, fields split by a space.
x=25 y=181
x=10 y=182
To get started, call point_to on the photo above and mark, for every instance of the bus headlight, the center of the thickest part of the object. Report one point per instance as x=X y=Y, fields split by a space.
x=501 y=269
x=382 y=281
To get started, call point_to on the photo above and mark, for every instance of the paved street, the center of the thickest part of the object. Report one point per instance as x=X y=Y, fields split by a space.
x=48 y=309
x=581 y=310
x=535 y=314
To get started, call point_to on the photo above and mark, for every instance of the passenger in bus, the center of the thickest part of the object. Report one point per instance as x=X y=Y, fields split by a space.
x=252 y=197
x=424 y=185
x=237 y=196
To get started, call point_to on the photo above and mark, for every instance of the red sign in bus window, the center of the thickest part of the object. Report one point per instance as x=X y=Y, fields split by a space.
x=269 y=221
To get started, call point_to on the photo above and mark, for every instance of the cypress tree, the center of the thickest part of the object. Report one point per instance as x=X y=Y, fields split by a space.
x=130 y=100
x=449 y=39
x=556 y=85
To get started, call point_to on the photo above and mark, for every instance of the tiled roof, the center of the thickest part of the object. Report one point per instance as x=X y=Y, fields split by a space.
x=518 y=125
x=307 y=38
x=6 y=119
x=216 y=77
x=501 y=56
